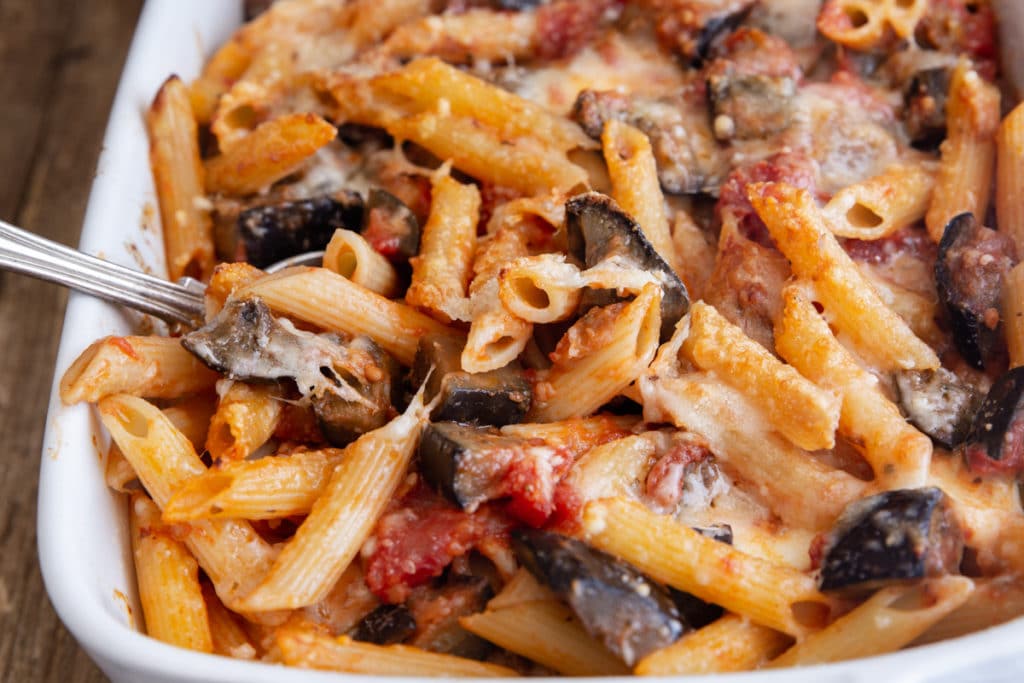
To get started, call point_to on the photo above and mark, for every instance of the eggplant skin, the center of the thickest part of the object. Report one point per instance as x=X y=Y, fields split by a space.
x=996 y=441
x=343 y=421
x=597 y=229
x=938 y=403
x=464 y=462
x=386 y=625
x=892 y=537
x=497 y=397
x=969 y=272
x=276 y=231
x=925 y=104
x=630 y=614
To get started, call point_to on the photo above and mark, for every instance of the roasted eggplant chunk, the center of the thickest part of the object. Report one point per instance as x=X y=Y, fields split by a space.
x=386 y=625
x=924 y=102
x=996 y=440
x=390 y=226
x=891 y=537
x=498 y=397
x=629 y=613
x=938 y=403
x=246 y=342
x=969 y=272
x=464 y=462
x=689 y=158
x=437 y=612
x=598 y=229
x=274 y=232
x=342 y=420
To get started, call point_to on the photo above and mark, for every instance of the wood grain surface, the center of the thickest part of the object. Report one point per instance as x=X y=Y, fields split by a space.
x=60 y=61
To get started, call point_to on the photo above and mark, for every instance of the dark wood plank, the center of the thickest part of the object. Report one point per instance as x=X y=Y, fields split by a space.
x=59 y=66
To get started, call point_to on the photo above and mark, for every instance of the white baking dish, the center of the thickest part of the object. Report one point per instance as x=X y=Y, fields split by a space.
x=83 y=540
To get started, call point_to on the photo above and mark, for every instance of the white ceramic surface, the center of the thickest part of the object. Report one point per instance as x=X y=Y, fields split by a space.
x=83 y=539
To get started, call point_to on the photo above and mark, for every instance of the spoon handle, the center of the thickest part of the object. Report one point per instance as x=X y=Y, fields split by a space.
x=29 y=254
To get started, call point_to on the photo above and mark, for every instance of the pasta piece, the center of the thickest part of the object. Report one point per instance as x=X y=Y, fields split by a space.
x=192 y=418
x=993 y=602
x=226 y=66
x=1010 y=176
x=695 y=256
x=230 y=552
x=744 y=443
x=245 y=419
x=496 y=336
x=540 y=289
x=635 y=186
x=179 y=179
x=168 y=578
x=1013 y=314
x=273 y=150
x=858 y=24
x=442 y=270
x=522 y=587
x=153 y=367
x=375 y=19
x=903 y=15
x=522 y=164
x=613 y=469
x=774 y=596
x=328 y=300
x=881 y=205
x=118 y=473
x=429 y=81
x=228 y=278
x=898 y=453
x=343 y=517
x=854 y=306
x=229 y=638
x=731 y=643
x=888 y=620
x=349 y=254
x=313 y=650
x=799 y=410
x=585 y=383
x=482 y=34
x=546 y=632
x=268 y=488
x=964 y=182
x=919 y=311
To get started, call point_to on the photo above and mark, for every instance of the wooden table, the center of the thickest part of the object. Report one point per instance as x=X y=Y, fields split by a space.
x=59 y=66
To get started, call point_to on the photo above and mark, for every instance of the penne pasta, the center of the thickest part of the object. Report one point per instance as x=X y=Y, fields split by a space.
x=584 y=383
x=964 y=181
x=269 y=488
x=441 y=272
x=898 y=453
x=546 y=632
x=730 y=643
x=774 y=596
x=332 y=302
x=273 y=150
x=1013 y=314
x=168 y=578
x=245 y=419
x=486 y=35
x=879 y=206
x=233 y=556
x=342 y=518
x=635 y=187
x=179 y=179
x=228 y=636
x=540 y=289
x=888 y=620
x=153 y=367
x=1010 y=176
x=312 y=650
x=852 y=305
x=796 y=408
x=349 y=254
x=993 y=602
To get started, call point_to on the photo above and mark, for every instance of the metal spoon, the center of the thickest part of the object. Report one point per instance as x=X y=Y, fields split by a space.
x=180 y=302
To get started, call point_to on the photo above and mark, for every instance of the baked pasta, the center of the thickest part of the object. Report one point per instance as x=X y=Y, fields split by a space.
x=651 y=336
